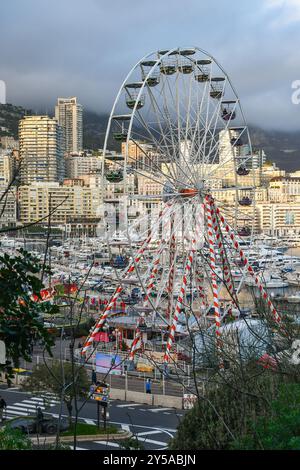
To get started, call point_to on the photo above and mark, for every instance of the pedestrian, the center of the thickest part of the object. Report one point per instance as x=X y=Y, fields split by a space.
x=94 y=377
x=2 y=406
x=39 y=419
x=148 y=386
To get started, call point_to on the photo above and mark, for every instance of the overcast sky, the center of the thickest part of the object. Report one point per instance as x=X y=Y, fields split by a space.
x=53 y=48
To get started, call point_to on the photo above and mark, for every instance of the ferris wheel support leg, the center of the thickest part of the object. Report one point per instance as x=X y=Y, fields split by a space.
x=136 y=344
x=181 y=296
x=200 y=282
x=212 y=256
x=154 y=271
x=171 y=264
x=179 y=303
x=131 y=269
x=226 y=269
x=250 y=270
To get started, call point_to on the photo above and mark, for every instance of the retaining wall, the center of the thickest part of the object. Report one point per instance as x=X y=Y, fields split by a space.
x=146 y=398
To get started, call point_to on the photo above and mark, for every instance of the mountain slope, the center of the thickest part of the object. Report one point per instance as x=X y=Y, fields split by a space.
x=281 y=147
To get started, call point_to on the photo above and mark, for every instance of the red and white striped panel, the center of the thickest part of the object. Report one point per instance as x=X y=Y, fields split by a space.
x=249 y=268
x=171 y=265
x=136 y=344
x=212 y=258
x=219 y=239
x=200 y=283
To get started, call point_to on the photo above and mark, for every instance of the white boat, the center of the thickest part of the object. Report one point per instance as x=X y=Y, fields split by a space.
x=268 y=280
x=294 y=299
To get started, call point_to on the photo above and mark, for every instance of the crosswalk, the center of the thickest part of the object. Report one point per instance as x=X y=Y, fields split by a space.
x=29 y=406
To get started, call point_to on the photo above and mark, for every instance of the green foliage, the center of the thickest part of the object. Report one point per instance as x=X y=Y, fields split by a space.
x=59 y=379
x=13 y=439
x=59 y=446
x=20 y=319
x=131 y=444
x=83 y=429
x=281 y=429
x=224 y=412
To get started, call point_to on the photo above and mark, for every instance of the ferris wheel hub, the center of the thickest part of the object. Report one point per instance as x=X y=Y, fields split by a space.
x=188 y=192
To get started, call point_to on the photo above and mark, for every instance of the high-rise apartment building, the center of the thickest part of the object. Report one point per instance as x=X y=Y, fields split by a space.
x=41 y=158
x=69 y=116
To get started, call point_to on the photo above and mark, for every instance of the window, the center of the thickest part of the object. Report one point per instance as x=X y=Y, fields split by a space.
x=289 y=218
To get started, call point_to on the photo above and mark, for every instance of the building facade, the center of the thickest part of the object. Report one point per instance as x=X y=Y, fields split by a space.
x=8 y=206
x=68 y=113
x=83 y=163
x=41 y=157
x=63 y=202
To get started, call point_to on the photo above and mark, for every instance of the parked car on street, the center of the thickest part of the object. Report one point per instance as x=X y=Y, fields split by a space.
x=30 y=425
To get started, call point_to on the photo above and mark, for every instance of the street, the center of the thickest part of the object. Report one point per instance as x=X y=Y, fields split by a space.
x=152 y=426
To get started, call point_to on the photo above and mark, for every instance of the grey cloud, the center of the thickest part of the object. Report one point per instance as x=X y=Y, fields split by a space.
x=85 y=48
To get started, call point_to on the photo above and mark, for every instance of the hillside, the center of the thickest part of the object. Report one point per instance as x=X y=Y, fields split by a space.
x=9 y=119
x=280 y=147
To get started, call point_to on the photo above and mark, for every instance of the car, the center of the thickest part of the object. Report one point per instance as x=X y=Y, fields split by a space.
x=29 y=425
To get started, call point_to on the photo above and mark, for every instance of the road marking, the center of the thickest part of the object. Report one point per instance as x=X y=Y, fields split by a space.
x=150 y=441
x=157 y=410
x=78 y=448
x=39 y=400
x=29 y=404
x=108 y=443
x=13 y=407
x=50 y=395
x=127 y=405
x=89 y=421
x=125 y=427
x=147 y=433
x=11 y=412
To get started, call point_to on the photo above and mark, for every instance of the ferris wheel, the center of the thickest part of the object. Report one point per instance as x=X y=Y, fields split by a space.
x=179 y=192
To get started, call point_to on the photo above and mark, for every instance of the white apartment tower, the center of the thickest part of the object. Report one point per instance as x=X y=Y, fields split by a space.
x=68 y=113
x=41 y=156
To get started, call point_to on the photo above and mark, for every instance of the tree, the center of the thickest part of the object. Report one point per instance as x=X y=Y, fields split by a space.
x=280 y=430
x=61 y=381
x=224 y=411
x=13 y=439
x=21 y=310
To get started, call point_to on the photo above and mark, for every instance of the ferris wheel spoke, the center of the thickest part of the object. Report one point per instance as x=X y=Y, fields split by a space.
x=214 y=121
x=176 y=130
x=157 y=144
x=159 y=113
x=200 y=121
